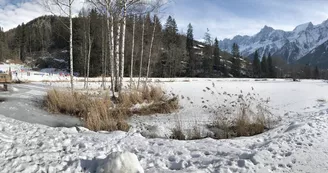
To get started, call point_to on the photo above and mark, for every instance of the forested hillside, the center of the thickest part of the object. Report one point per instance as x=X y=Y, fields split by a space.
x=44 y=39
x=43 y=42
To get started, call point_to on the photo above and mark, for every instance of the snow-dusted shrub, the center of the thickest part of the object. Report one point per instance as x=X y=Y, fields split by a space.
x=237 y=114
x=177 y=132
x=195 y=133
x=244 y=125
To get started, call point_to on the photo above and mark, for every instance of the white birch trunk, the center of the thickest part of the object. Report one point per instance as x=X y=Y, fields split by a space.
x=103 y=71
x=111 y=44
x=123 y=45
x=141 y=56
x=89 y=55
x=117 y=56
x=85 y=52
x=151 y=47
x=132 y=52
x=71 y=43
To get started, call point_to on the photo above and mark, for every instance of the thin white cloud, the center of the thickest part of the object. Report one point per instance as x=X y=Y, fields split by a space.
x=222 y=23
x=12 y=15
x=225 y=23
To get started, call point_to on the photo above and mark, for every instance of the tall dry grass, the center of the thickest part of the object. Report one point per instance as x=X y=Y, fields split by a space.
x=234 y=115
x=101 y=113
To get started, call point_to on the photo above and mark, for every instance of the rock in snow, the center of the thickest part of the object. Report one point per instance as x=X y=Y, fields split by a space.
x=120 y=162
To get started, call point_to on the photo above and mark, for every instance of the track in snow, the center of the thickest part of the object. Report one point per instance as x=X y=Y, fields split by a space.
x=22 y=102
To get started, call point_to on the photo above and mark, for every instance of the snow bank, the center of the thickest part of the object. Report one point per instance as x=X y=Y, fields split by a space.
x=297 y=144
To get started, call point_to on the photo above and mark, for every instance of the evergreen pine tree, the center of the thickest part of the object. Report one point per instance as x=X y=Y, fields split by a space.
x=271 y=70
x=207 y=59
x=256 y=65
x=307 y=72
x=189 y=46
x=235 y=68
x=171 y=42
x=316 y=73
x=216 y=55
x=235 y=50
x=264 y=67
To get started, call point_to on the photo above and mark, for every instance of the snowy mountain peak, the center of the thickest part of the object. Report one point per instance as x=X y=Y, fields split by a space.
x=303 y=27
x=325 y=23
x=266 y=29
x=289 y=45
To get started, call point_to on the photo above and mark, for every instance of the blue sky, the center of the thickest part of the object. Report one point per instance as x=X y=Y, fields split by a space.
x=223 y=18
x=227 y=18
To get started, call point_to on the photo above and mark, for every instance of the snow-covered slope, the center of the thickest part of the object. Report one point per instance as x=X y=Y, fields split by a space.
x=317 y=57
x=299 y=143
x=291 y=45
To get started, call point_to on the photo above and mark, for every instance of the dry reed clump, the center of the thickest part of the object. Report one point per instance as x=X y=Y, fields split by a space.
x=62 y=101
x=99 y=113
x=195 y=133
x=244 y=126
x=245 y=123
x=242 y=116
x=147 y=94
x=152 y=93
x=177 y=132
x=163 y=107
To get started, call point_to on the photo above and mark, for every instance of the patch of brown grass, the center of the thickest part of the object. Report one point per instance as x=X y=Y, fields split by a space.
x=246 y=123
x=162 y=107
x=127 y=99
x=144 y=94
x=64 y=101
x=152 y=93
x=99 y=113
x=245 y=127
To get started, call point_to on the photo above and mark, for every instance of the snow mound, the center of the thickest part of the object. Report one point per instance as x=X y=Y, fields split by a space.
x=122 y=162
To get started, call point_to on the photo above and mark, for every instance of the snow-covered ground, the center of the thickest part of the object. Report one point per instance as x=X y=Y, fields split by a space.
x=298 y=143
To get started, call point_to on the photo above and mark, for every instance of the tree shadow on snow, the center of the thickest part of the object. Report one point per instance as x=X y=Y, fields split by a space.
x=91 y=165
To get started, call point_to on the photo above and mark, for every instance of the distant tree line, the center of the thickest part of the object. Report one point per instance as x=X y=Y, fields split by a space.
x=166 y=53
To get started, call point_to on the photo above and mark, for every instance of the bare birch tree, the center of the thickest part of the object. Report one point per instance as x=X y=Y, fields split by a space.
x=150 y=49
x=90 y=40
x=117 y=56
x=64 y=7
x=111 y=38
x=103 y=54
x=132 y=52
x=84 y=42
x=118 y=9
x=141 y=54
x=123 y=44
